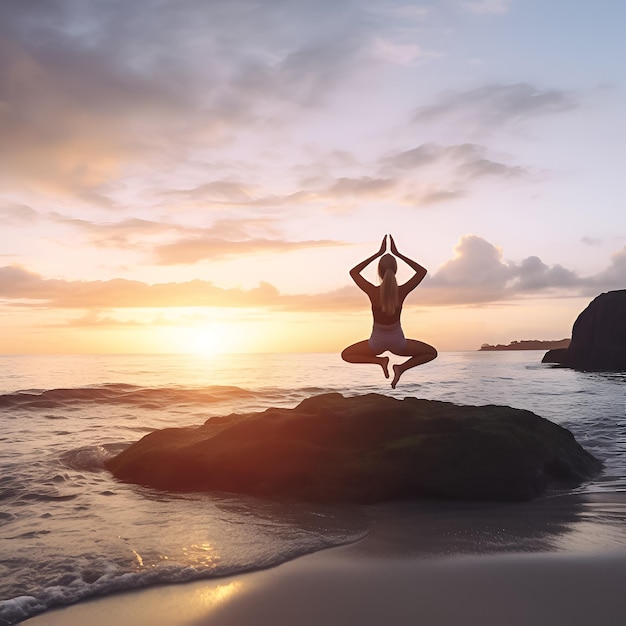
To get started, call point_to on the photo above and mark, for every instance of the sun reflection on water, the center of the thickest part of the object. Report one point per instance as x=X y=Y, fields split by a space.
x=201 y=554
x=138 y=557
x=211 y=597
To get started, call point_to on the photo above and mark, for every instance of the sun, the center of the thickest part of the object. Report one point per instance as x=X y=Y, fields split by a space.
x=205 y=341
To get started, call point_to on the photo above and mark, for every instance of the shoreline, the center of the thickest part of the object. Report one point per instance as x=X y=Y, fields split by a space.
x=333 y=587
x=556 y=561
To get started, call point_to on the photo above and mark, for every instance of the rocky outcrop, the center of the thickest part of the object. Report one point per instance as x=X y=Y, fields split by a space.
x=598 y=336
x=363 y=449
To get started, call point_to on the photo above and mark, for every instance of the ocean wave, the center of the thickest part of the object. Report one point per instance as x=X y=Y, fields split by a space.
x=120 y=393
x=90 y=458
x=79 y=585
x=86 y=577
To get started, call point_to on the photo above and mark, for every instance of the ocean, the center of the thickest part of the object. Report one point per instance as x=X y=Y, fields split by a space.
x=70 y=531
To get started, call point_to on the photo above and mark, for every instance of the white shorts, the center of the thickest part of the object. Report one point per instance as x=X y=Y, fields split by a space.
x=387 y=337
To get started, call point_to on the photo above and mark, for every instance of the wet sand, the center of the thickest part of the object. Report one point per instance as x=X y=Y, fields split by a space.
x=559 y=561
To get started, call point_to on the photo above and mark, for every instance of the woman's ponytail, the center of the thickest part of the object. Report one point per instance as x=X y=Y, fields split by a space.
x=389 y=292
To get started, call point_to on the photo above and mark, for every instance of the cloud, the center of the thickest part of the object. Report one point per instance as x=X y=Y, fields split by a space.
x=70 y=105
x=396 y=53
x=17 y=283
x=591 y=241
x=481 y=168
x=533 y=275
x=436 y=196
x=614 y=276
x=92 y=89
x=130 y=231
x=494 y=106
x=28 y=289
x=433 y=173
x=314 y=189
x=124 y=234
x=466 y=160
x=176 y=244
x=98 y=97
x=477 y=274
x=195 y=249
x=487 y=6
x=18 y=214
x=98 y=319
x=220 y=192
x=363 y=187
x=310 y=73
x=403 y=12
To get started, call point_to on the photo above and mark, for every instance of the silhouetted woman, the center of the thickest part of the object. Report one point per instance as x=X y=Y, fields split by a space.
x=387 y=300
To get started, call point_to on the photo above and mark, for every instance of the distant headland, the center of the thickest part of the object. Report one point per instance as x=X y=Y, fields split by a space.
x=528 y=344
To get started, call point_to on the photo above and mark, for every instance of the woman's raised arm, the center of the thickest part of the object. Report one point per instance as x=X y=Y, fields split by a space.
x=355 y=272
x=420 y=271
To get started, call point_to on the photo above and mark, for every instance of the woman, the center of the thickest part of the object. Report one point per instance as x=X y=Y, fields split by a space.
x=387 y=300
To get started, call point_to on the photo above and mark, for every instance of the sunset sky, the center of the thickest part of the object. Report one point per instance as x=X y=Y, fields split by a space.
x=180 y=175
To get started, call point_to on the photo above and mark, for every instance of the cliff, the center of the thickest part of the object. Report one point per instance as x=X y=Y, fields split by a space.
x=598 y=336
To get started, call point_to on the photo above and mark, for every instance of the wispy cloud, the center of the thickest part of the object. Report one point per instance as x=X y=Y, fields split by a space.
x=166 y=243
x=495 y=106
x=84 y=95
x=591 y=241
x=396 y=53
x=433 y=173
x=86 y=111
x=487 y=6
x=18 y=214
x=194 y=249
x=216 y=192
x=17 y=283
x=465 y=161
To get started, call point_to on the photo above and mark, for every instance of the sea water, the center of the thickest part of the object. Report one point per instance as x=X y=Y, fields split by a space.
x=69 y=530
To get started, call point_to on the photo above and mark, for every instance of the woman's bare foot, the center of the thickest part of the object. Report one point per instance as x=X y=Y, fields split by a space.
x=397 y=372
x=385 y=366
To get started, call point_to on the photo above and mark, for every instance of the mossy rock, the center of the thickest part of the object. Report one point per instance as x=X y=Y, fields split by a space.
x=366 y=448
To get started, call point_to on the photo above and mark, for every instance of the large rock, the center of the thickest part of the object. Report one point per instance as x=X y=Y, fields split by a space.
x=363 y=449
x=598 y=336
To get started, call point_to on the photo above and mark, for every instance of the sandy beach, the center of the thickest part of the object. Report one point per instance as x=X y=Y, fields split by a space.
x=556 y=569
x=337 y=588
